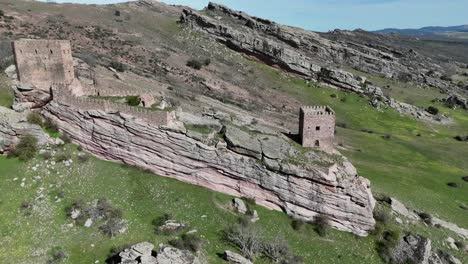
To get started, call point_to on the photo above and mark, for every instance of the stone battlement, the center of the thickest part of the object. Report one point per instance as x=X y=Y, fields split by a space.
x=158 y=118
x=41 y=63
x=317 y=110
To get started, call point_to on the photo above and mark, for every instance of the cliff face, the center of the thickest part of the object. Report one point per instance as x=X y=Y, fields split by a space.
x=251 y=170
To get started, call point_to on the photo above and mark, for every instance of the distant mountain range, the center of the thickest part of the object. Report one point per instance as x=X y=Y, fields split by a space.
x=425 y=30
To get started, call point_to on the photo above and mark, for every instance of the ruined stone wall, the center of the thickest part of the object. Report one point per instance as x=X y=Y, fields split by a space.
x=317 y=127
x=158 y=118
x=43 y=62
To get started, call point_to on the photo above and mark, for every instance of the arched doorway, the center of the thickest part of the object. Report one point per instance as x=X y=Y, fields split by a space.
x=317 y=143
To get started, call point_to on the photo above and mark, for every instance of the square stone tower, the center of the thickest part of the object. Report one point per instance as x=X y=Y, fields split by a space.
x=41 y=63
x=317 y=127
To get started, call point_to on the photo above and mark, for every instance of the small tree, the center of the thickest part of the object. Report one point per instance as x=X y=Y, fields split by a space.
x=195 y=64
x=117 y=13
x=26 y=148
x=118 y=66
x=246 y=238
x=322 y=225
x=432 y=110
x=276 y=249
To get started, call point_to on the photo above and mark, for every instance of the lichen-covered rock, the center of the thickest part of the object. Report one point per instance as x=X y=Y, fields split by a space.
x=170 y=255
x=299 y=190
x=235 y=258
x=13 y=126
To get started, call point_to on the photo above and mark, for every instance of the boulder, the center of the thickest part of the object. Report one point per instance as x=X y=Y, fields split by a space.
x=170 y=255
x=235 y=258
x=10 y=71
x=401 y=209
x=239 y=205
x=451 y=243
x=274 y=147
x=413 y=249
x=242 y=142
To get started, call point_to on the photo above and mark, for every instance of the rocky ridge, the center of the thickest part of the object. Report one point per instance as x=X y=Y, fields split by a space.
x=310 y=55
x=239 y=166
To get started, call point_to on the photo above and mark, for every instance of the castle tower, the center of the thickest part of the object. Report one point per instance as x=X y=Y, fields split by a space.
x=317 y=127
x=42 y=63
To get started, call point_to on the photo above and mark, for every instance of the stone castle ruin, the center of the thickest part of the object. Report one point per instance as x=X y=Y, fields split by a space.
x=317 y=127
x=41 y=63
x=47 y=65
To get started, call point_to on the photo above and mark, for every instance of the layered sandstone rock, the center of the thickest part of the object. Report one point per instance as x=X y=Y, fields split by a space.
x=300 y=190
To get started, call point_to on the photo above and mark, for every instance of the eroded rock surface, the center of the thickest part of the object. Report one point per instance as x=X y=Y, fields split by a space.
x=302 y=190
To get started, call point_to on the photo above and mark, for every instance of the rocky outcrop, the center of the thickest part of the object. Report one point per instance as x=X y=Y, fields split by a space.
x=418 y=249
x=143 y=253
x=309 y=53
x=13 y=126
x=303 y=190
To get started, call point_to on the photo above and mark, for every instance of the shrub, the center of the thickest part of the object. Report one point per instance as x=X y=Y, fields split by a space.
x=47 y=155
x=381 y=215
x=453 y=184
x=66 y=139
x=1 y=13
x=461 y=138
x=432 y=110
x=341 y=124
x=117 y=13
x=427 y=218
x=191 y=242
x=386 y=244
x=34 y=118
x=157 y=222
x=112 y=227
x=275 y=250
x=333 y=95
x=26 y=148
x=207 y=62
x=322 y=225
x=133 y=100
x=387 y=136
x=26 y=207
x=298 y=224
x=82 y=158
x=118 y=66
x=460 y=244
x=465 y=178
x=63 y=156
x=50 y=125
x=57 y=255
x=365 y=130
x=195 y=64
x=246 y=238
x=446 y=77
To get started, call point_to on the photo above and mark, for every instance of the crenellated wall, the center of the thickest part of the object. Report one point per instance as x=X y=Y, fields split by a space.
x=317 y=127
x=158 y=118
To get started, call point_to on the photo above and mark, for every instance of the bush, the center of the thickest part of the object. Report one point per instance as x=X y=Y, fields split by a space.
x=446 y=77
x=386 y=244
x=191 y=242
x=112 y=227
x=341 y=124
x=365 y=130
x=1 y=13
x=133 y=100
x=118 y=66
x=381 y=215
x=117 y=13
x=50 y=125
x=465 y=178
x=427 y=218
x=47 y=155
x=63 y=156
x=207 y=62
x=34 y=118
x=66 y=139
x=453 y=184
x=246 y=238
x=26 y=148
x=195 y=64
x=275 y=250
x=298 y=224
x=161 y=220
x=82 y=158
x=26 y=207
x=322 y=225
x=461 y=138
x=387 y=136
x=57 y=255
x=432 y=110
x=460 y=245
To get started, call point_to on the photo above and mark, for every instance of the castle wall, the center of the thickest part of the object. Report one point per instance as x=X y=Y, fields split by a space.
x=317 y=127
x=41 y=63
x=157 y=118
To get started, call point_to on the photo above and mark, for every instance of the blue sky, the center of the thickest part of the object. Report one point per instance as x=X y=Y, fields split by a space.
x=324 y=15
